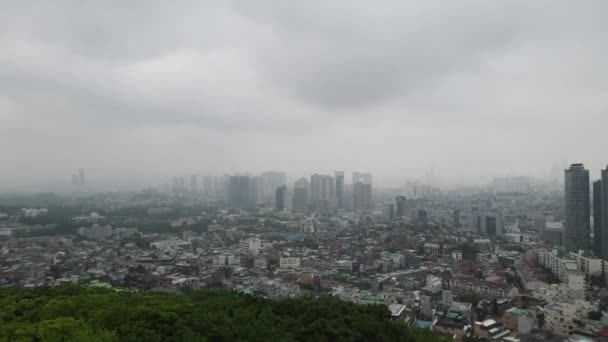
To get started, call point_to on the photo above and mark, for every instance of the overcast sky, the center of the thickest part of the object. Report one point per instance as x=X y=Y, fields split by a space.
x=161 y=88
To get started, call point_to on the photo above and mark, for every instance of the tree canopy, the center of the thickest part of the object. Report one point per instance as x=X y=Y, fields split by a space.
x=72 y=313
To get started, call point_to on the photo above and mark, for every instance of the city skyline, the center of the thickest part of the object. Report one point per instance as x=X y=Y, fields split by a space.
x=304 y=170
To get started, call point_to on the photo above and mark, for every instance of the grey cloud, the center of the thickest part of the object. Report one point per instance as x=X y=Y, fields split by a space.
x=304 y=85
x=365 y=56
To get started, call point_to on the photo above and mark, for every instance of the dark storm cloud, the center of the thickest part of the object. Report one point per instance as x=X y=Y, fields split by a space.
x=214 y=86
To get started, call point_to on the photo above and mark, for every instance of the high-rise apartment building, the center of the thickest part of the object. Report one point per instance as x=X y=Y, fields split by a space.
x=362 y=194
x=322 y=191
x=281 y=198
x=356 y=177
x=598 y=231
x=270 y=181
x=604 y=212
x=577 y=209
x=400 y=202
x=255 y=190
x=300 y=195
x=81 y=179
x=456 y=218
x=239 y=191
x=339 y=181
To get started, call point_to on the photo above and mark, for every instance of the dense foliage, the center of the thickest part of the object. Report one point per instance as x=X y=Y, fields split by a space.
x=81 y=314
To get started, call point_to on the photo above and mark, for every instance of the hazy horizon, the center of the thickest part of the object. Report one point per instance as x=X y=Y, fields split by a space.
x=150 y=90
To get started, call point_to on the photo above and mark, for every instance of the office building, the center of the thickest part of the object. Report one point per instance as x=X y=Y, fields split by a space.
x=300 y=195
x=456 y=218
x=400 y=203
x=577 y=209
x=553 y=234
x=281 y=198
x=598 y=232
x=492 y=224
x=339 y=181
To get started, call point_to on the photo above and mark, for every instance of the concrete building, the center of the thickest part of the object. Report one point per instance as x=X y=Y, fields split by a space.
x=270 y=181
x=362 y=194
x=492 y=224
x=553 y=234
x=604 y=213
x=577 y=210
x=587 y=263
x=322 y=191
x=520 y=320
x=252 y=246
x=339 y=182
x=300 y=195
x=432 y=248
x=400 y=204
x=598 y=235
x=96 y=232
x=562 y=318
x=289 y=262
x=456 y=218
x=281 y=198
x=239 y=192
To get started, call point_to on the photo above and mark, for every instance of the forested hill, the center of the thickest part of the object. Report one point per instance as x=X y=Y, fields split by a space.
x=80 y=314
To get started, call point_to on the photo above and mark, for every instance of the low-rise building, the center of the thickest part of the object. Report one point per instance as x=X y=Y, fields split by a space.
x=290 y=262
x=96 y=232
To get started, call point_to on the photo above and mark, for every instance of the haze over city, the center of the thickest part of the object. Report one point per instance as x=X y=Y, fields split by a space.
x=275 y=170
x=148 y=90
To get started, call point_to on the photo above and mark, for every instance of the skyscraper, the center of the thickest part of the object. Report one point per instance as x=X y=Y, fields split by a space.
x=577 y=210
x=270 y=181
x=300 y=195
x=339 y=181
x=400 y=204
x=390 y=211
x=322 y=191
x=356 y=177
x=456 y=218
x=238 y=191
x=366 y=178
x=81 y=179
x=604 y=214
x=281 y=198
x=362 y=194
x=598 y=232
x=255 y=190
